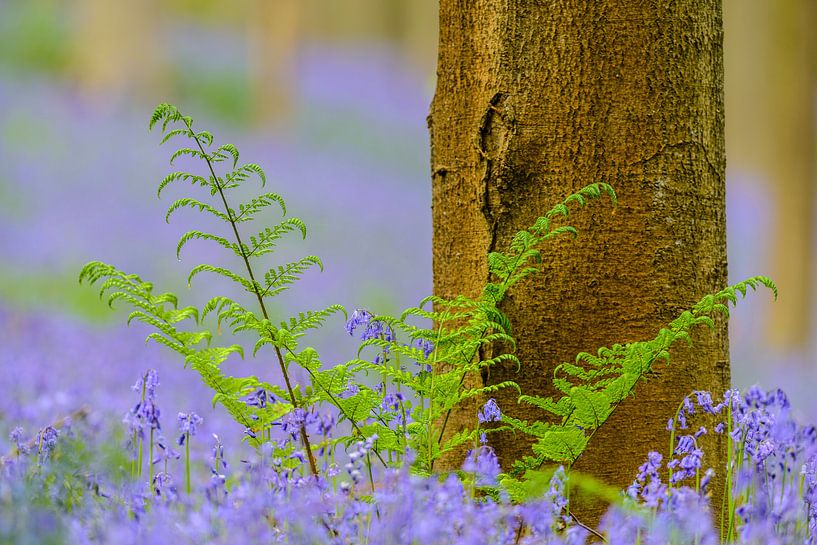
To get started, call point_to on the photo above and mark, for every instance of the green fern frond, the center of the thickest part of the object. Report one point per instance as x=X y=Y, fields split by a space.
x=176 y=132
x=311 y=319
x=226 y=273
x=184 y=176
x=199 y=235
x=265 y=241
x=166 y=113
x=187 y=202
x=278 y=278
x=224 y=151
x=252 y=168
x=194 y=153
x=246 y=212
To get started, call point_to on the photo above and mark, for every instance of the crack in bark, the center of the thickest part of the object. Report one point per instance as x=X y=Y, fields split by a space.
x=492 y=143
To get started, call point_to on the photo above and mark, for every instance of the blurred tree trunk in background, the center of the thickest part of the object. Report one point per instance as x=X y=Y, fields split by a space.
x=116 y=50
x=273 y=32
x=416 y=32
x=771 y=79
x=535 y=100
x=409 y=24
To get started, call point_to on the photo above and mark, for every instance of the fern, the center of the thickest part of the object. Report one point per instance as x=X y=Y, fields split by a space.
x=595 y=385
x=465 y=331
x=161 y=312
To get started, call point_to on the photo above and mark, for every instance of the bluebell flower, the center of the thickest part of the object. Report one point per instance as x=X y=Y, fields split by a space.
x=685 y=444
x=46 y=441
x=163 y=486
x=391 y=402
x=483 y=464
x=188 y=425
x=326 y=424
x=17 y=436
x=257 y=399
x=425 y=345
x=166 y=452
x=490 y=412
x=351 y=389
x=705 y=402
x=360 y=318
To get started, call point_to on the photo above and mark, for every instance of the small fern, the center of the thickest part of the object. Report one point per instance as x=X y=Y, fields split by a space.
x=161 y=311
x=594 y=385
x=462 y=327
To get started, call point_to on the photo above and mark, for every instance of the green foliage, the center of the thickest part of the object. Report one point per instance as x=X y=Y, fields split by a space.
x=446 y=341
x=162 y=311
x=593 y=386
x=468 y=335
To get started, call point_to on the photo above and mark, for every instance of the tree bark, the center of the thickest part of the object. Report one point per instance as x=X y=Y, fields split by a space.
x=535 y=100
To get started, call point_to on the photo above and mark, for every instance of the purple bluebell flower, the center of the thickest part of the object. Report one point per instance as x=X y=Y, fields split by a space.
x=188 y=425
x=257 y=399
x=647 y=483
x=219 y=463
x=685 y=444
x=425 y=345
x=490 y=412
x=351 y=389
x=705 y=402
x=166 y=452
x=391 y=402
x=291 y=423
x=46 y=441
x=689 y=407
x=688 y=466
x=483 y=464
x=326 y=423
x=360 y=318
x=17 y=436
x=357 y=456
x=163 y=486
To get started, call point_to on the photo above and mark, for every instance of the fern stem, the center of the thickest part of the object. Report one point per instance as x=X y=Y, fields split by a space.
x=504 y=286
x=340 y=407
x=304 y=437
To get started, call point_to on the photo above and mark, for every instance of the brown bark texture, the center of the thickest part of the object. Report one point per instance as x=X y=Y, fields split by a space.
x=536 y=99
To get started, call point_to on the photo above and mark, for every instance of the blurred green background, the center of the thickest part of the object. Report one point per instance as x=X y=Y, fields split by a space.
x=330 y=97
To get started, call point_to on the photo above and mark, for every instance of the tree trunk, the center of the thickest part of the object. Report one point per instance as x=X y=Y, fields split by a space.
x=535 y=100
x=116 y=49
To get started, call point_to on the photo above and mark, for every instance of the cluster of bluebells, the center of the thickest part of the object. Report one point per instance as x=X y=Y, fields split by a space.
x=372 y=328
x=772 y=472
x=188 y=426
x=145 y=414
x=270 y=497
x=483 y=464
x=489 y=413
x=358 y=456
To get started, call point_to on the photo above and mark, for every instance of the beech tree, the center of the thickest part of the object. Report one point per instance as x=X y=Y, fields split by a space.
x=536 y=99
